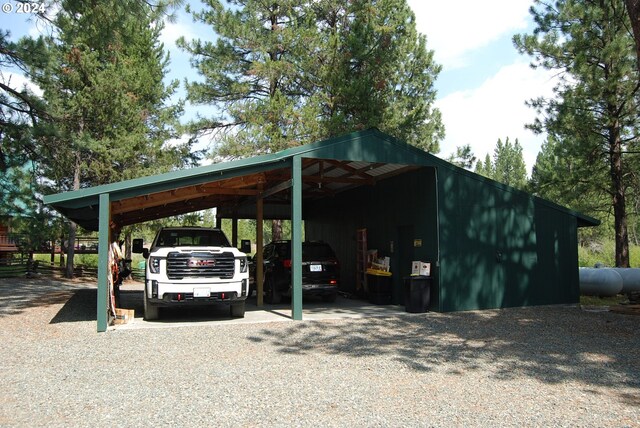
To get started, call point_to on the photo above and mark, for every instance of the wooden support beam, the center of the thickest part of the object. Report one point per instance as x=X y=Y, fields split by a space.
x=234 y=230
x=165 y=198
x=276 y=189
x=259 y=245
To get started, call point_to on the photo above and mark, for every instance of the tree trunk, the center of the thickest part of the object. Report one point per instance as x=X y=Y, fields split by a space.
x=276 y=230
x=619 y=200
x=72 y=226
x=71 y=249
x=127 y=244
x=633 y=9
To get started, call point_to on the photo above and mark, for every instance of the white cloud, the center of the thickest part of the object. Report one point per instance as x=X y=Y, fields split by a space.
x=173 y=31
x=496 y=109
x=454 y=28
x=19 y=82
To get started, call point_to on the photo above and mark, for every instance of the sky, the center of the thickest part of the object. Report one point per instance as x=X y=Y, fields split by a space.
x=482 y=88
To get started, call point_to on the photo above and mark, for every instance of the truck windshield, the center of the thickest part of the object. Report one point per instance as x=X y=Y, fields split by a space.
x=192 y=237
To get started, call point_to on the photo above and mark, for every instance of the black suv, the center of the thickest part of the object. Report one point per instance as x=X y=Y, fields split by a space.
x=320 y=271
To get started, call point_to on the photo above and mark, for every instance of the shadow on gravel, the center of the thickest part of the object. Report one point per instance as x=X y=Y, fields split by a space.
x=80 y=307
x=19 y=294
x=551 y=344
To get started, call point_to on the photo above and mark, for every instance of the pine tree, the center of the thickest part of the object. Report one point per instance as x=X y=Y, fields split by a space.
x=463 y=157
x=23 y=123
x=287 y=73
x=375 y=70
x=595 y=107
x=485 y=168
x=103 y=85
x=508 y=164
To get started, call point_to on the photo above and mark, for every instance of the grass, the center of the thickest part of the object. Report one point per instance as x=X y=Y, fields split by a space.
x=604 y=252
x=602 y=301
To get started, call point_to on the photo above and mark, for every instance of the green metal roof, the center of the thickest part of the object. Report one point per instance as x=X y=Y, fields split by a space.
x=371 y=150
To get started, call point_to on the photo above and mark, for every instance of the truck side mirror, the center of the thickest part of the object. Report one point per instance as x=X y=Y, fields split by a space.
x=245 y=246
x=137 y=246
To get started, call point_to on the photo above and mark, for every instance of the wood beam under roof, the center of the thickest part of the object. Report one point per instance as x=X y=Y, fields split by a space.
x=176 y=195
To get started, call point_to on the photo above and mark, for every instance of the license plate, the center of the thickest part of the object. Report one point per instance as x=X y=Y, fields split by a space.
x=201 y=292
x=315 y=268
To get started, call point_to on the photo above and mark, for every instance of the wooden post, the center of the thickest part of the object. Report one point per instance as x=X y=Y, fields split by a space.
x=259 y=245
x=234 y=230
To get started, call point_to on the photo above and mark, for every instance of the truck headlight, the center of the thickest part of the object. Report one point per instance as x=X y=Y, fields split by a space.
x=154 y=264
x=243 y=264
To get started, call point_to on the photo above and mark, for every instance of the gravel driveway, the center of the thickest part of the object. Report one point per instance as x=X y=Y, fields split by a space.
x=546 y=366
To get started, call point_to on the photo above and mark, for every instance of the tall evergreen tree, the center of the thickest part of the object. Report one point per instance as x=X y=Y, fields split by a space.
x=374 y=70
x=485 y=168
x=507 y=165
x=595 y=110
x=103 y=84
x=286 y=73
x=23 y=124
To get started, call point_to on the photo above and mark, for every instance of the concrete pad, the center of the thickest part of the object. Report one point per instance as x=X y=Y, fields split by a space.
x=313 y=310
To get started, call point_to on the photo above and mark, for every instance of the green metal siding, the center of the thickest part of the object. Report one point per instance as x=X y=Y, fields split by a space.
x=502 y=248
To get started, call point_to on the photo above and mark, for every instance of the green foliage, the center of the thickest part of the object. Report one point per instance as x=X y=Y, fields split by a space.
x=561 y=176
x=287 y=73
x=603 y=251
x=602 y=301
x=463 y=157
x=108 y=116
x=103 y=83
x=507 y=166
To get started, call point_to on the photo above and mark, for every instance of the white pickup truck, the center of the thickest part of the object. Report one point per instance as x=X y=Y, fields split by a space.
x=193 y=266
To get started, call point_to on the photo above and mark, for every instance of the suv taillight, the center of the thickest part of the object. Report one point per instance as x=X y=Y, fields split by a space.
x=286 y=263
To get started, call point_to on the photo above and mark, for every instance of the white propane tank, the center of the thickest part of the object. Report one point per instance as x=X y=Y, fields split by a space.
x=630 y=279
x=603 y=282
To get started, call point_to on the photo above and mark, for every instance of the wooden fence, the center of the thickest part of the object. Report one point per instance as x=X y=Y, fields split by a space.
x=47 y=270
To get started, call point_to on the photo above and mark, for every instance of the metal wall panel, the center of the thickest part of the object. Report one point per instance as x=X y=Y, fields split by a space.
x=502 y=248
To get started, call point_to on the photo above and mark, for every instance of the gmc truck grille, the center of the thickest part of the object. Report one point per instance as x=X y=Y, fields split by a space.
x=200 y=265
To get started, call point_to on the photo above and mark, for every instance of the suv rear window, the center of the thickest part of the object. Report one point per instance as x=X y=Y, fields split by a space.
x=310 y=251
x=188 y=237
x=313 y=251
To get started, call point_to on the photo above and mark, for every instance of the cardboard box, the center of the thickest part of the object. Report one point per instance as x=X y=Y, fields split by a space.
x=419 y=268
x=123 y=316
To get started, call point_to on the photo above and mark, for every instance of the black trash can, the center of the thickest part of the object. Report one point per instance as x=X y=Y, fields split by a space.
x=417 y=293
x=379 y=286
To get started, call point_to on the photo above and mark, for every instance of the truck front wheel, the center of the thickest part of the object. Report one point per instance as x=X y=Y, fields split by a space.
x=237 y=310
x=150 y=312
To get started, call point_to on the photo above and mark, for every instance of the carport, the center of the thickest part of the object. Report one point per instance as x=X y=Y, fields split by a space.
x=490 y=245
x=264 y=187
